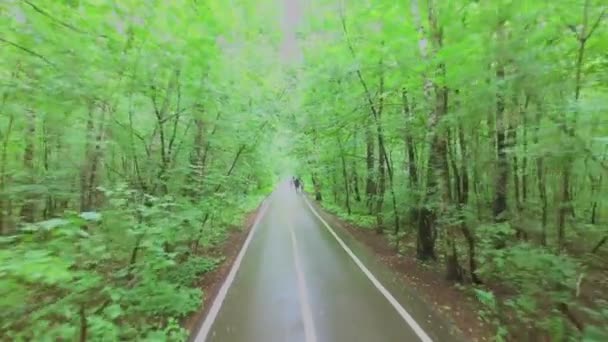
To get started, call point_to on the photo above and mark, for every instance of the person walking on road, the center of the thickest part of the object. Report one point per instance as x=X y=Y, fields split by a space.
x=296 y=184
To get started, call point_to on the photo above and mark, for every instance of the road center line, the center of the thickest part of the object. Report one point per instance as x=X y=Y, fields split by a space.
x=309 y=326
x=203 y=333
x=396 y=305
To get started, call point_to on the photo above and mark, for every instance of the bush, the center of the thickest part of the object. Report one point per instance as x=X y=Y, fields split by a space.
x=124 y=277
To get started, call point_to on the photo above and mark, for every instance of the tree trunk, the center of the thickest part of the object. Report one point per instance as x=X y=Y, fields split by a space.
x=370 y=186
x=96 y=161
x=4 y=201
x=453 y=270
x=83 y=324
x=391 y=178
x=512 y=141
x=524 y=162
x=316 y=186
x=565 y=205
x=48 y=211
x=138 y=172
x=355 y=181
x=596 y=185
x=335 y=185
x=345 y=176
x=160 y=111
x=541 y=181
x=409 y=144
x=28 y=210
x=463 y=201
x=476 y=179
x=195 y=176
x=502 y=170
x=566 y=198
x=84 y=173
x=437 y=154
x=381 y=188
x=382 y=155
x=415 y=211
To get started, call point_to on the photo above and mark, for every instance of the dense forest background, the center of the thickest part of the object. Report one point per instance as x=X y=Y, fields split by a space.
x=134 y=134
x=472 y=134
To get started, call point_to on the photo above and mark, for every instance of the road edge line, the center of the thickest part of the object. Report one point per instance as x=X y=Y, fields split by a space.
x=205 y=328
x=424 y=337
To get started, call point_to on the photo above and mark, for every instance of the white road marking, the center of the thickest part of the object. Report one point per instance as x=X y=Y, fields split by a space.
x=219 y=299
x=402 y=312
x=309 y=326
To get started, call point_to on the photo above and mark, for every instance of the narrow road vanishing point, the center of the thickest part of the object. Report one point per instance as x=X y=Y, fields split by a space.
x=296 y=280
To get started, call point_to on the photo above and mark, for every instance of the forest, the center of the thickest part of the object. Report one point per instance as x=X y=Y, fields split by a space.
x=472 y=134
x=135 y=135
x=131 y=143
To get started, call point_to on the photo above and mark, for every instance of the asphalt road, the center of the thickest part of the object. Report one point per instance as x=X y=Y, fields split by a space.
x=296 y=280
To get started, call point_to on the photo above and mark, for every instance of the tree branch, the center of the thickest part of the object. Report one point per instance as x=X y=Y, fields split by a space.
x=28 y=51
x=123 y=126
x=240 y=151
x=572 y=28
x=596 y=24
x=179 y=111
x=208 y=144
x=46 y=14
x=58 y=21
x=358 y=71
x=181 y=142
x=599 y=244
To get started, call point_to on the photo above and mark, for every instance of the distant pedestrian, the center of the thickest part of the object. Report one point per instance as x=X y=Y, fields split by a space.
x=296 y=184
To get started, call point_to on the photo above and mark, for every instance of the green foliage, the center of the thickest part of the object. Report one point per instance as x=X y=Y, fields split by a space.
x=133 y=136
x=490 y=312
x=362 y=220
x=56 y=269
x=190 y=270
x=486 y=298
x=358 y=219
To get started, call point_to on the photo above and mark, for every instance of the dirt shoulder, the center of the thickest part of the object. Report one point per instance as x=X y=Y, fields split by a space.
x=211 y=282
x=446 y=299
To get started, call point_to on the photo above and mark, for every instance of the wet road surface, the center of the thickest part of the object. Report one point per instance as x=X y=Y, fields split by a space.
x=297 y=281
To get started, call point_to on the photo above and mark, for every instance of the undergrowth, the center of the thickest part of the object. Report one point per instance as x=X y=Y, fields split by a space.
x=128 y=272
